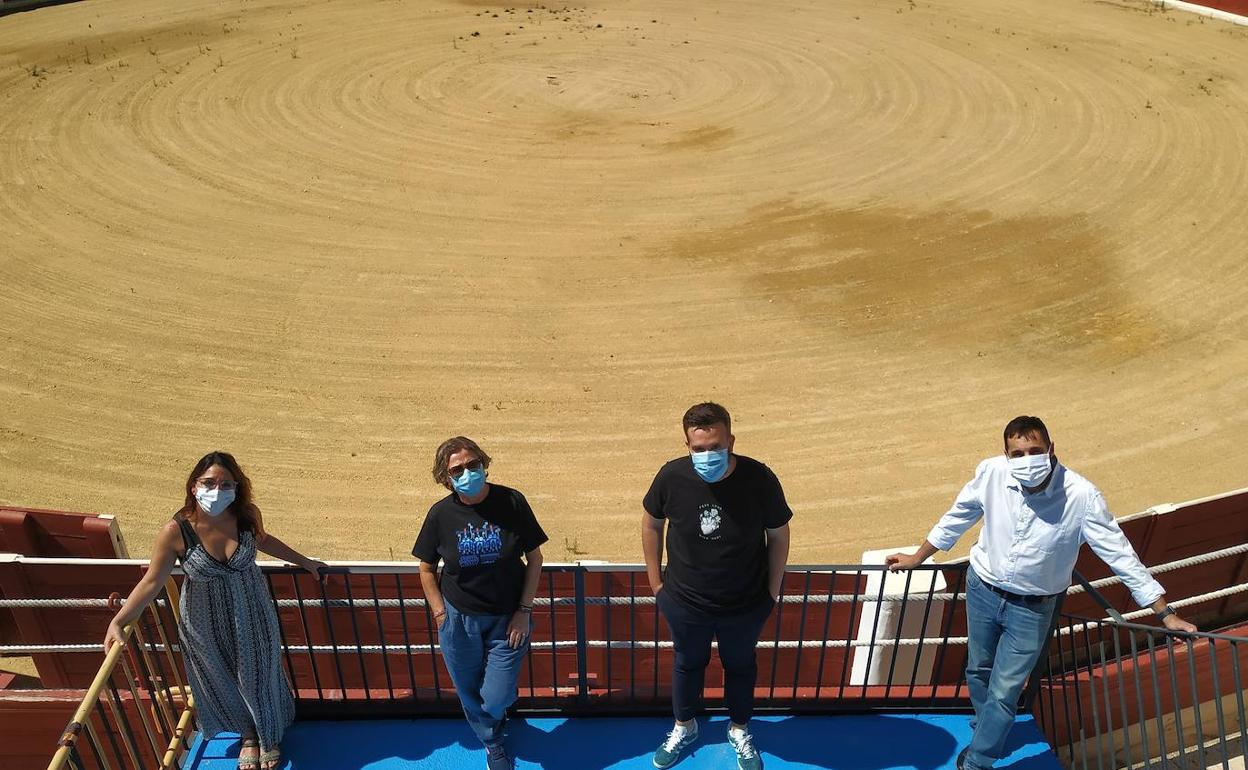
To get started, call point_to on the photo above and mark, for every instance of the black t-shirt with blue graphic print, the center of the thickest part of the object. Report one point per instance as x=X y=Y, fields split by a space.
x=716 y=541
x=481 y=546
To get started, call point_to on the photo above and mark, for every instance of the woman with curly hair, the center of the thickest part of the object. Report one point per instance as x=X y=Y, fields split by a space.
x=489 y=543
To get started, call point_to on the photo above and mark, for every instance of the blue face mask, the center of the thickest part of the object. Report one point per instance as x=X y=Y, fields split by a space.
x=470 y=482
x=712 y=465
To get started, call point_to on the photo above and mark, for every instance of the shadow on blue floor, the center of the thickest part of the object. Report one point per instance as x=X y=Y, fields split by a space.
x=870 y=742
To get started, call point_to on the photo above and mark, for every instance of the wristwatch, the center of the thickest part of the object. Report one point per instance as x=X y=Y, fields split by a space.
x=1167 y=612
x=525 y=609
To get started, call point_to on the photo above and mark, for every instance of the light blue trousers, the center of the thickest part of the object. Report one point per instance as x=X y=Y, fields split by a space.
x=1005 y=639
x=483 y=668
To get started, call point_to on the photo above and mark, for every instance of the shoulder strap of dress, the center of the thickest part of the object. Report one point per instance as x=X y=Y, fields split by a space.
x=189 y=538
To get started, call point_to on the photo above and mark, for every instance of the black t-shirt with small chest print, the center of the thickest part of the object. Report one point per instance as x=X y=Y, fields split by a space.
x=481 y=546
x=716 y=533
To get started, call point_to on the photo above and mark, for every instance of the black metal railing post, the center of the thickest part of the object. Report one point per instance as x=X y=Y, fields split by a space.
x=342 y=669
x=1098 y=597
x=582 y=638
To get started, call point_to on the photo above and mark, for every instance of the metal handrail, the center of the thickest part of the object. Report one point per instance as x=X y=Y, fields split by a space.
x=1097 y=596
x=141 y=670
x=1128 y=625
x=364 y=643
x=79 y=721
x=1125 y=695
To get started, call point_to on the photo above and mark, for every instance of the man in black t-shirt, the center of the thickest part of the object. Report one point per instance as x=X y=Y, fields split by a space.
x=727 y=546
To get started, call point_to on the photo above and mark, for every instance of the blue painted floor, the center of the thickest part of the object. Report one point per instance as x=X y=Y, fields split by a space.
x=869 y=742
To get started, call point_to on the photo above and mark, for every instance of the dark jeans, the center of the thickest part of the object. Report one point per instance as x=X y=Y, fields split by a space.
x=692 y=632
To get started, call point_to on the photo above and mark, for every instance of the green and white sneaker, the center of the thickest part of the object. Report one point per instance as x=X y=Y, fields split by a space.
x=747 y=754
x=679 y=739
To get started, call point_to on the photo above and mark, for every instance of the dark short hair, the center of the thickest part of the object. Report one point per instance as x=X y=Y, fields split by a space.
x=705 y=415
x=442 y=457
x=1025 y=425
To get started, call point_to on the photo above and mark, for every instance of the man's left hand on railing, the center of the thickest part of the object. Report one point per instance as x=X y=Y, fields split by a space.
x=1176 y=623
x=1169 y=618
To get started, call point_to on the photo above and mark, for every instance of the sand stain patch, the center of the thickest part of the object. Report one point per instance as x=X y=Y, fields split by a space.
x=700 y=138
x=944 y=277
x=584 y=125
x=505 y=6
x=153 y=40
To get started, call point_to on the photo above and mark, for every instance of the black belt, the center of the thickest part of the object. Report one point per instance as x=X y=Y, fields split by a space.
x=1027 y=598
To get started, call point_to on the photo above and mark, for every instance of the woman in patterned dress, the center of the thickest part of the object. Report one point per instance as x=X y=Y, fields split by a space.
x=233 y=650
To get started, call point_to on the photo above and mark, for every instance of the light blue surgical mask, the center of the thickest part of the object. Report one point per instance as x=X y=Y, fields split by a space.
x=712 y=465
x=470 y=482
x=214 y=501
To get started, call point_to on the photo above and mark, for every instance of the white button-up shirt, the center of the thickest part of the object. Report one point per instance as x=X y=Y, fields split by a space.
x=1030 y=542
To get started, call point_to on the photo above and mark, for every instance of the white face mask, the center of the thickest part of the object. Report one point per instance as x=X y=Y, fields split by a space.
x=213 y=501
x=1031 y=470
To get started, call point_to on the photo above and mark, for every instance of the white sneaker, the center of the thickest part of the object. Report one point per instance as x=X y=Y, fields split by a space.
x=747 y=755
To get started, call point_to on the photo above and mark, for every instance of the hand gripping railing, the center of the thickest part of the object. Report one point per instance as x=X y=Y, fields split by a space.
x=138 y=711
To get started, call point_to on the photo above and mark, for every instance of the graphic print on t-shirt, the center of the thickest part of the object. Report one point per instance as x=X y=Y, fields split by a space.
x=479 y=545
x=710 y=517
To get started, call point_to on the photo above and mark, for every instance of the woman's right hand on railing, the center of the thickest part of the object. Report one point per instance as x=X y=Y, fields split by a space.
x=114 y=636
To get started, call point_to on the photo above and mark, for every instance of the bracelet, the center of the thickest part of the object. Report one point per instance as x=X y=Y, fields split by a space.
x=525 y=608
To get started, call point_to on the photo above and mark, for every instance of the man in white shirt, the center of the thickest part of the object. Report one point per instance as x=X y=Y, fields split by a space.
x=1036 y=514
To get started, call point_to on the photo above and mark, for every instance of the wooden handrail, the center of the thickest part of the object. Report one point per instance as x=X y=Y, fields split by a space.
x=81 y=720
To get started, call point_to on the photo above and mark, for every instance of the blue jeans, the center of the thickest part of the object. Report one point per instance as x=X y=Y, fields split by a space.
x=483 y=667
x=1006 y=638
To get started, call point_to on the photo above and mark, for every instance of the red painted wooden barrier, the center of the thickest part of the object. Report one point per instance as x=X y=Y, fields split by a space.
x=31 y=721
x=39 y=532
x=65 y=626
x=1101 y=699
x=1186 y=531
x=1239 y=7
x=1189 y=530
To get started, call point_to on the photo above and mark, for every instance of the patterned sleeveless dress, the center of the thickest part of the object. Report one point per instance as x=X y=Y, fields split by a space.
x=233 y=646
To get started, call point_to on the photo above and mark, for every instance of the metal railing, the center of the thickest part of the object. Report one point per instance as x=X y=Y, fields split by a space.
x=365 y=643
x=1123 y=695
x=138 y=712
x=844 y=638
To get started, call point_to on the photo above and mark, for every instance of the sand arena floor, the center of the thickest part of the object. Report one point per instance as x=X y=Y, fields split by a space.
x=327 y=235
